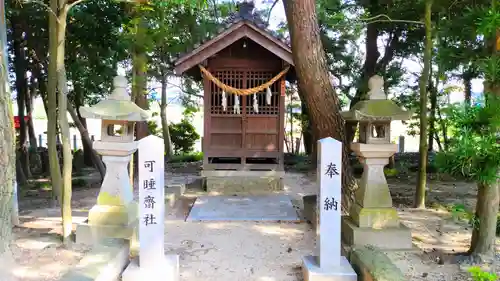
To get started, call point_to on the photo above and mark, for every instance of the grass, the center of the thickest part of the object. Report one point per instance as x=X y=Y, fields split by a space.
x=188 y=157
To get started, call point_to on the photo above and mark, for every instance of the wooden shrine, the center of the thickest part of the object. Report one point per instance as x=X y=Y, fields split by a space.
x=244 y=69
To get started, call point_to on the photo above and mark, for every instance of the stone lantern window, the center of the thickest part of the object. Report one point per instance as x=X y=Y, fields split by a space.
x=117 y=131
x=374 y=132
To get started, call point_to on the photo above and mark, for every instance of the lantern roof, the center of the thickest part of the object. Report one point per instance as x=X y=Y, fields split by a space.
x=117 y=106
x=377 y=107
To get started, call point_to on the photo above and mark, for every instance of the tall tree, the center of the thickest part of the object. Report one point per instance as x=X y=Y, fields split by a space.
x=59 y=90
x=488 y=197
x=475 y=149
x=7 y=156
x=20 y=64
x=314 y=83
x=52 y=120
x=424 y=81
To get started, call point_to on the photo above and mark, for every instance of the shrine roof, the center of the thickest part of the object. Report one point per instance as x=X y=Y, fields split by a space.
x=243 y=23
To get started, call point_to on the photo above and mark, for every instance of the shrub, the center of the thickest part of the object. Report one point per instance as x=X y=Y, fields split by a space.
x=391 y=172
x=474 y=152
x=191 y=157
x=184 y=136
x=479 y=275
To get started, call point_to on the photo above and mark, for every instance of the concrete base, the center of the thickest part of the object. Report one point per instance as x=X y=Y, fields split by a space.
x=391 y=238
x=172 y=193
x=105 y=262
x=243 y=182
x=92 y=234
x=312 y=271
x=168 y=272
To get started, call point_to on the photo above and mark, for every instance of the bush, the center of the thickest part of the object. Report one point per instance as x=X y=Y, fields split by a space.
x=184 y=136
x=390 y=173
x=474 y=152
x=192 y=157
x=479 y=275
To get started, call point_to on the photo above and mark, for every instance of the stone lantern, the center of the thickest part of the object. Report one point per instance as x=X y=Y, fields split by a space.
x=372 y=219
x=115 y=213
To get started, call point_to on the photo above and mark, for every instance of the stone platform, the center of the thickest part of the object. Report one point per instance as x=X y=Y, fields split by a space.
x=388 y=238
x=225 y=182
x=243 y=208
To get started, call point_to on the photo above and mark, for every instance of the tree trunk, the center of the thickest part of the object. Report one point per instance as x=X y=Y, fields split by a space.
x=42 y=86
x=314 y=82
x=139 y=83
x=20 y=65
x=369 y=69
x=167 y=140
x=8 y=156
x=484 y=233
x=467 y=78
x=20 y=176
x=444 y=129
x=432 y=113
x=55 y=169
x=440 y=146
x=87 y=146
x=87 y=143
x=424 y=81
x=82 y=126
x=306 y=129
x=62 y=88
x=29 y=109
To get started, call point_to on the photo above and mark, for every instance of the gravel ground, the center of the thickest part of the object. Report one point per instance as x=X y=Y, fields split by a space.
x=252 y=251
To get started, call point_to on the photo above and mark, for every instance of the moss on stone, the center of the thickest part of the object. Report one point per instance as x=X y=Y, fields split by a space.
x=372 y=261
x=377 y=109
x=105 y=198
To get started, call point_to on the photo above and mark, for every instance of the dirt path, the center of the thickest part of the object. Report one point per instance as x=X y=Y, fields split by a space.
x=255 y=251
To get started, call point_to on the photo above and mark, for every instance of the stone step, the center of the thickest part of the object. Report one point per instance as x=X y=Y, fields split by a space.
x=105 y=262
x=173 y=192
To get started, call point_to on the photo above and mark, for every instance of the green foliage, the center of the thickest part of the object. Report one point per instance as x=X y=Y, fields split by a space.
x=184 y=136
x=479 y=275
x=94 y=49
x=183 y=158
x=474 y=152
x=489 y=21
x=460 y=213
x=391 y=172
x=153 y=129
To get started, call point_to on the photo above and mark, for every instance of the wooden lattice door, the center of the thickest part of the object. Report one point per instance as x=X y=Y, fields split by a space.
x=250 y=132
x=262 y=122
x=226 y=125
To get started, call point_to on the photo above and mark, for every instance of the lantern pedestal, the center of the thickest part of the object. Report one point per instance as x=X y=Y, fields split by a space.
x=115 y=203
x=115 y=214
x=372 y=219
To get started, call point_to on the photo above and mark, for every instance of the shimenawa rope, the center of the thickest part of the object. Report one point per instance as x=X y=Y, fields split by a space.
x=242 y=92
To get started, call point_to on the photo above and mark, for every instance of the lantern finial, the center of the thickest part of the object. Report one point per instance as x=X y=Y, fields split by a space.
x=119 y=89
